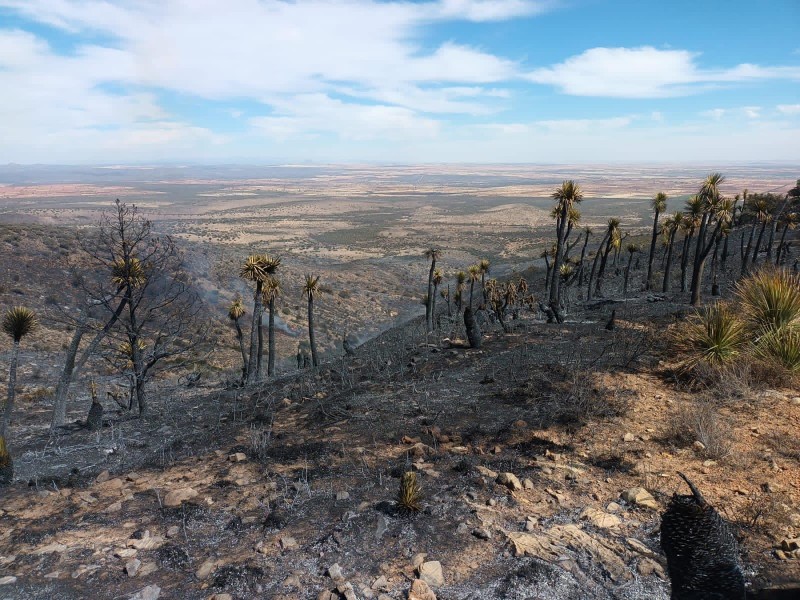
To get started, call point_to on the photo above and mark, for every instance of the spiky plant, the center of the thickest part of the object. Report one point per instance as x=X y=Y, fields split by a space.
x=6 y=463
x=257 y=268
x=310 y=290
x=128 y=271
x=781 y=346
x=432 y=254
x=474 y=274
x=659 y=204
x=770 y=300
x=18 y=322
x=409 y=499
x=438 y=277
x=713 y=336
x=272 y=289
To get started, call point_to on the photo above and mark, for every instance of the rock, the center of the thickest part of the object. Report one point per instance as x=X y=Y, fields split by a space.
x=510 y=481
x=698 y=446
x=221 y=597
x=7 y=580
x=151 y=592
x=431 y=573
x=629 y=437
x=54 y=547
x=237 y=457
x=613 y=507
x=176 y=497
x=418 y=559
x=205 y=569
x=486 y=472
x=147 y=568
x=640 y=497
x=420 y=591
x=292 y=581
x=173 y=531
x=531 y=523
x=552 y=544
x=289 y=543
x=381 y=527
x=346 y=590
x=527 y=484
x=789 y=545
x=648 y=566
x=335 y=573
x=103 y=477
x=380 y=583
x=132 y=567
x=343 y=495
x=126 y=553
x=600 y=519
x=482 y=534
x=639 y=547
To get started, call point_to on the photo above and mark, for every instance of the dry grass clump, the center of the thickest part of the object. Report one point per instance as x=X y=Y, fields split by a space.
x=409 y=499
x=700 y=421
x=759 y=328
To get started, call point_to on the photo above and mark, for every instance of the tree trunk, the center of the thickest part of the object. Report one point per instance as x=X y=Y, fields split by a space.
x=254 y=334
x=774 y=227
x=746 y=258
x=583 y=256
x=627 y=273
x=429 y=302
x=312 y=342
x=781 y=246
x=701 y=255
x=598 y=290
x=271 y=332
x=71 y=368
x=555 y=282
x=60 y=402
x=12 y=392
x=473 y=331
x=649 y=284
x=687 y=243
x=714 y=269
x=449 y=310
x=668 y=267
x=757 y=247
x=433 y=305
x=597 y=254
x=240 y=338
x=471 y=290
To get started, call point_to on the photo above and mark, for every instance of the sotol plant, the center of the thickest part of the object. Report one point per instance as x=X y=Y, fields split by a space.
x=714 y=335
x=409 y=499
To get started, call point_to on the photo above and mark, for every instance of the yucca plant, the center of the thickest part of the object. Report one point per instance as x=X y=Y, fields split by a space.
x=782 y=347
x=235 y=312
x=6 y=464
x=128 y=271
x=257 y=268
x=409 y=499
x=713 y=336
x=770 y=300
x=310 y=290
x=17 y=323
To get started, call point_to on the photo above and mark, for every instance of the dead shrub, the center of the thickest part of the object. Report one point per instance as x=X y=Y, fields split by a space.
x=700 y=421
x=766 y=512
x=579 y=400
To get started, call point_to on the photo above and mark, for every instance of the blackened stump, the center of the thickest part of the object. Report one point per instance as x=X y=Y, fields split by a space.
x=702 y=553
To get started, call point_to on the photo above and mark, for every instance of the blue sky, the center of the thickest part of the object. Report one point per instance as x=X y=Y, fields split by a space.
x=549 y=81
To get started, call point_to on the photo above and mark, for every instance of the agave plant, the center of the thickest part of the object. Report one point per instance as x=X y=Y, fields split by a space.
x=17 y=323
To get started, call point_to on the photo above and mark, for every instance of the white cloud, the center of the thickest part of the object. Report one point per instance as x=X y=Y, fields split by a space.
x=788 y=109
x=645 y=72
x=714 y=113
x=313 y=114
x=752 y=112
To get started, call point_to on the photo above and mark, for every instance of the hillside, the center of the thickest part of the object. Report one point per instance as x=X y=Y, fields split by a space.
x=283 y=483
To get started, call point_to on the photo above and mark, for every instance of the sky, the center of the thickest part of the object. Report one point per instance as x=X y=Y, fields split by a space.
x=426 y=81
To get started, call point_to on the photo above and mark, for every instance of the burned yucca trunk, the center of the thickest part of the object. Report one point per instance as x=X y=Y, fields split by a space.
x=702 y=553
x=94 y=420
x=473 y=330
